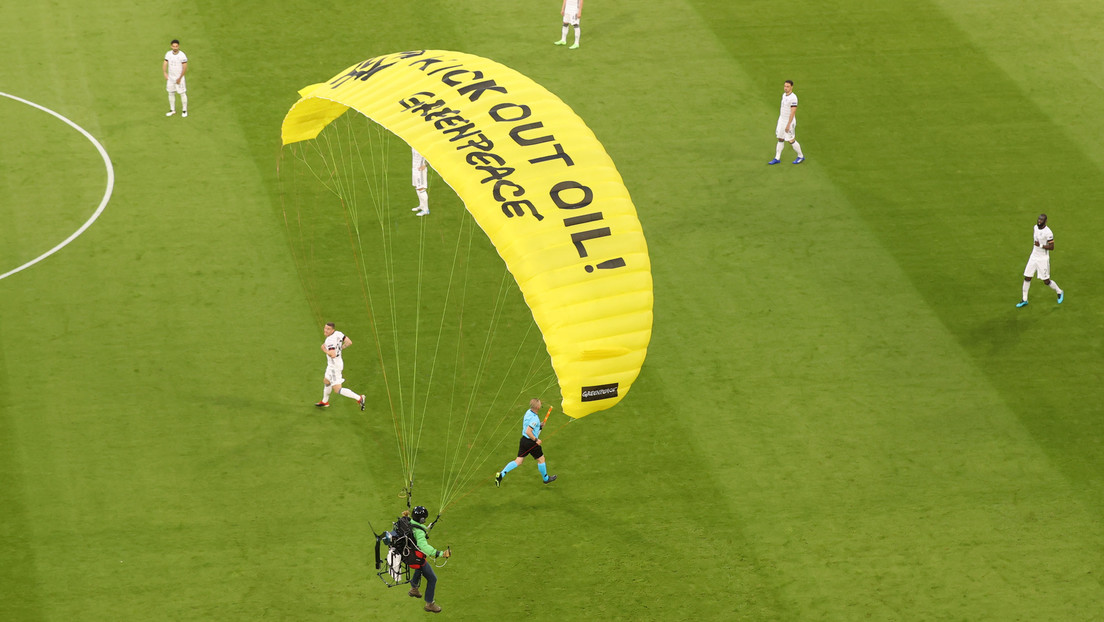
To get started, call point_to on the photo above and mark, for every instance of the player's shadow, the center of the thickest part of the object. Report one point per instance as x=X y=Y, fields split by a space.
x=1004 y=332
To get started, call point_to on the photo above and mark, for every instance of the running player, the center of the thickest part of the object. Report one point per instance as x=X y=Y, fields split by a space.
x=335 y=342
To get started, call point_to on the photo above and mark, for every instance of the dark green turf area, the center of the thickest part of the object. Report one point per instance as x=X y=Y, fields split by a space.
x=842 y=415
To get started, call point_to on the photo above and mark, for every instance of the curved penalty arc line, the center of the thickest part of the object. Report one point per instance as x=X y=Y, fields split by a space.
x=103 y=202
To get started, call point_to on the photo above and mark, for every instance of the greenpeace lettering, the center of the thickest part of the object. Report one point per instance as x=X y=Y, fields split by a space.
x=448 y=121
x=599 y=392
x=541 y=186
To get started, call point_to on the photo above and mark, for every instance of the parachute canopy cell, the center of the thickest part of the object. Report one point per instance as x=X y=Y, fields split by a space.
x=539 y=184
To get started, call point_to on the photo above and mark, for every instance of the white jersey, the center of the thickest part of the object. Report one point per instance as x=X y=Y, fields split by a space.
x=336 y=341
x=789 y=100
x=1042 y=237
x=176 y=63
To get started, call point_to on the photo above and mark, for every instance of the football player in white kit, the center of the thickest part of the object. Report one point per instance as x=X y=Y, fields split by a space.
x=572 y=11
x=174 y=68
x=1039 y=261
x=335 y=342
x=786 y=130
x=419 y=177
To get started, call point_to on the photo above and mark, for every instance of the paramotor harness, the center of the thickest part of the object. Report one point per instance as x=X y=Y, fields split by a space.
x=402 y=554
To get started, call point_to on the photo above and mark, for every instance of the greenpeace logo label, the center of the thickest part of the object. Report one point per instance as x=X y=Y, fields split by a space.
x=599 y=392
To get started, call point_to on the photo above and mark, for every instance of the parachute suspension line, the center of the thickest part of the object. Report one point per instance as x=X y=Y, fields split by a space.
x=477 y=381
x=334 y=163
x=461 y=474
x=464 y=477
x=345 y=174
x=380 y=144
x=380 y=162
x=346 y=160
x=417 y=423
x=541 y=386
x=467 y=223
x=424 y=411
x=468 y=486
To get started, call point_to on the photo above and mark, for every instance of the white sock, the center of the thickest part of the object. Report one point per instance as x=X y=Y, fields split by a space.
x=184 y=101
x=1055 y=287
x=172 y=102
x=797 y=148
x=423 y=198
x=778 y=150
x=563 y=33
x=1027 y=285
x=349 y=394
x=326 y=394
x=578 y=33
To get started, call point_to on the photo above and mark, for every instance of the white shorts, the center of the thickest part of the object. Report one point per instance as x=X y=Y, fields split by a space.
x=571 y=18
x=420 y=179
x=1038 y=265
x=172 y=87
x=782 y=134
x=333 y=374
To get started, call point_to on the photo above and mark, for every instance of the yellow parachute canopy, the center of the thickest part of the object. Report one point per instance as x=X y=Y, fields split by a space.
x=538 y=183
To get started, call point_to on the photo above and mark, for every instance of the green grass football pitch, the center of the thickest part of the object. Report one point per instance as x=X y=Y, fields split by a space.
x=842 y=415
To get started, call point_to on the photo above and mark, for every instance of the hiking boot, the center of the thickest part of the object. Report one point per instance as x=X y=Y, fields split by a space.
x=414 y=593
x=433 y=608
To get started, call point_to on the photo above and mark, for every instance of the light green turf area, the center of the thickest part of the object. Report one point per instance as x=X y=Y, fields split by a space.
x=842 y=416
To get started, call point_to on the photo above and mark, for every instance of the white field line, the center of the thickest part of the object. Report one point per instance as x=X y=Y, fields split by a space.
x=103 y=202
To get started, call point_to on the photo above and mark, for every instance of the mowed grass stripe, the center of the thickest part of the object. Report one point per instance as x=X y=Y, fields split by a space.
x=155 y=557
x=610 y=476
x=54 y=177
x=670 y=123
x=692 y=143
x=1056 y=66
x=1052 y=66
x=22 y=598
x=974 y=209
x=845 y=439
x=181 y=291
x=607 y=480
x=879 y=195
x=254 y=434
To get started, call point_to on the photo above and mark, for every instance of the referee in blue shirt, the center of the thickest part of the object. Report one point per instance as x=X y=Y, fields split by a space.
x=530 y=444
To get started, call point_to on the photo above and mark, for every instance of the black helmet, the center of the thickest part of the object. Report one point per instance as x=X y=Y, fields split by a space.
x=420 y=514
